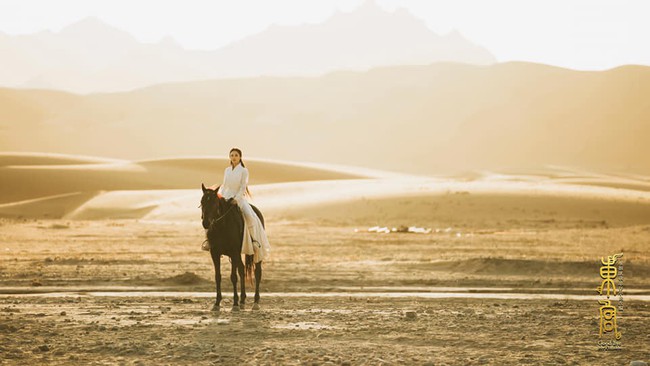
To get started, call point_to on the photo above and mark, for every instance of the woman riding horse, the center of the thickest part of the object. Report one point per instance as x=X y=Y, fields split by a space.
x=231 y=231
x=235 y=186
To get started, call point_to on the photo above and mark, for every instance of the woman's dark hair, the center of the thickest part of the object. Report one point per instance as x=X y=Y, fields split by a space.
x=241 y=161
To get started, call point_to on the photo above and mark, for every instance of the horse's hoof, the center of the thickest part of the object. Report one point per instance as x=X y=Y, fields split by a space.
x=235 y=308
x=216 y=308
x=256 y=306
x=242 y=306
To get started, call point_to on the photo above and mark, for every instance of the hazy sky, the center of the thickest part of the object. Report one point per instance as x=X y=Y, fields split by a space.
x=579 y=34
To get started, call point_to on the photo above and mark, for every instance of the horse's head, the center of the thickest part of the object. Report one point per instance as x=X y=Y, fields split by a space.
x=209 y=205
x=212 y=205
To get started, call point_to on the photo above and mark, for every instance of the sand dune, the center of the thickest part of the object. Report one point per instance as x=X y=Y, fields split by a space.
x=32 y=158
x=169 y=190
x=424 y=202
x=439 y=203
x=56 y=206
x=29 y=176
x=138 y=204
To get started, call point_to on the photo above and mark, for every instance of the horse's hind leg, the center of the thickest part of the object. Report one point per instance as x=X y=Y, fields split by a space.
x=233 y=278
x=258 y=279
x=242 y=278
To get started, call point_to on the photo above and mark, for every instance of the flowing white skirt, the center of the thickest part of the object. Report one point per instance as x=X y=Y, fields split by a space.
x=253 y=230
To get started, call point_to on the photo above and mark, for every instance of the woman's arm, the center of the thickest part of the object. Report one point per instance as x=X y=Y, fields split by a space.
x=242 y=185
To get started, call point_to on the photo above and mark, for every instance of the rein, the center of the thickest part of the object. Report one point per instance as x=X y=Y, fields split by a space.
x=214 y=221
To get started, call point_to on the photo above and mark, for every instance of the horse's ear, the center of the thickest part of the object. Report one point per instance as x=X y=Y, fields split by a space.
x=203 y=187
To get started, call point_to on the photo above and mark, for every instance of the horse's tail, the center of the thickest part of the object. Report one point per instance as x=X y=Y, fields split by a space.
x=249 y=270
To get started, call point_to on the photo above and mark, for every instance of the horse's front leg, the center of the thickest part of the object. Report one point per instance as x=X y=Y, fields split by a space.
x=217 y=280
x=258 y=279
x=233 y=279
x=242 y=278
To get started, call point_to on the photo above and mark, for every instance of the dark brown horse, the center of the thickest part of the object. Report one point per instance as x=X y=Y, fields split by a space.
x=225 y=234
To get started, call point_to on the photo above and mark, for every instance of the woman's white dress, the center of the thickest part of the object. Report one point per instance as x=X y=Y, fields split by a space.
x=234 y=185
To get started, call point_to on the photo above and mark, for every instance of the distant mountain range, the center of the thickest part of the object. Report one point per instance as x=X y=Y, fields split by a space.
x=443 y=117
x=91 y=56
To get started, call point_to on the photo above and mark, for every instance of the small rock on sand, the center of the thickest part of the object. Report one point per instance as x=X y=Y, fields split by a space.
x=43 y=348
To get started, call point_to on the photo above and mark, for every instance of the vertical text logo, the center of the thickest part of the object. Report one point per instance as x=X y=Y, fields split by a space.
x=609 y=272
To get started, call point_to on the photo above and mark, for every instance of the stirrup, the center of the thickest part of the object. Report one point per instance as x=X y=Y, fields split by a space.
x=205 y=246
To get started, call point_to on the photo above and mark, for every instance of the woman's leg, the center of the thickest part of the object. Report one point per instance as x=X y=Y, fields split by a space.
x=247 y=241
x=256 y=230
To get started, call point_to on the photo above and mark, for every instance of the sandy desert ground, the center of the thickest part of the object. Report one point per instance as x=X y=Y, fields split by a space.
x=507 y=276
